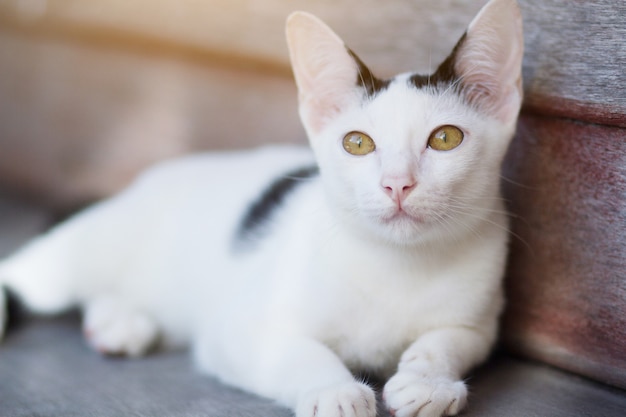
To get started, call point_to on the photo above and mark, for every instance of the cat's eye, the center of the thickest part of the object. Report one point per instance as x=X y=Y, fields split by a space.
x=445 y=138
x=358 y=143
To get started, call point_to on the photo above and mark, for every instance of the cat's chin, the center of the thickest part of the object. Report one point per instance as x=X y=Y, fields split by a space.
x=401 y=228
x=407 y=228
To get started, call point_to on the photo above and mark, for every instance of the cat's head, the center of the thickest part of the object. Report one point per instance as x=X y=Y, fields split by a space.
x=413 y=157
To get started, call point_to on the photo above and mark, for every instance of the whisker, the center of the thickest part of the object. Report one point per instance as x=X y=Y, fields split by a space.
x=372 y=80
x=498 y=225
x=430 y=66
x=462 y=206
x=360 y=73
x=518 y=184
x=451 y=223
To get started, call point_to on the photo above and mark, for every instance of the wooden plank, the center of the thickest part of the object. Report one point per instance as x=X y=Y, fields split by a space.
x=575 y=59
x=567 y=271
x=36 y=352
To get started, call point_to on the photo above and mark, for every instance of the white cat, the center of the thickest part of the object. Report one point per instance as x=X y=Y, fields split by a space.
x=285 y=270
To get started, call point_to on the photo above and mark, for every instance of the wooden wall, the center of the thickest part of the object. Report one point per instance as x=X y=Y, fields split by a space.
x=566 y=183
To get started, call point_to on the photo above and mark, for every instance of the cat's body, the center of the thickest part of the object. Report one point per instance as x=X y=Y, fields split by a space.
x=283 y=279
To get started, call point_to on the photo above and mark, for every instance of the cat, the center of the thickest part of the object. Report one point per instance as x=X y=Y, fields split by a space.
x=286 y=269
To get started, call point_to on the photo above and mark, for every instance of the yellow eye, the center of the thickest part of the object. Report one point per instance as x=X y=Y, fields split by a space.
x=358 y=143
x=445 y=138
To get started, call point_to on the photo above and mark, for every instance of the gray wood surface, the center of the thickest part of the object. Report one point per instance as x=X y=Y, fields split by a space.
x=46 y=369
x=575 y=59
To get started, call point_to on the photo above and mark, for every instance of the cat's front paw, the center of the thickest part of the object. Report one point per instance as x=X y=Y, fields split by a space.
x=352 y=399
x=112 y=327
x=409 y=394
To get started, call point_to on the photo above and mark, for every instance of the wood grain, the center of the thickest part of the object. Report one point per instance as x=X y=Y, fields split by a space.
x=575 y=59
x=567 y=270
x=566 y=278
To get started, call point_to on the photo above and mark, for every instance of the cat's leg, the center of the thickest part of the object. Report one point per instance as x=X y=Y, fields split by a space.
x=428 y=381
x=77 y=258
x=302 y=374
x=325 y=387
x=113 y=326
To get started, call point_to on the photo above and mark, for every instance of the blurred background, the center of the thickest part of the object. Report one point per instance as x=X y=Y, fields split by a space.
x=93 y=91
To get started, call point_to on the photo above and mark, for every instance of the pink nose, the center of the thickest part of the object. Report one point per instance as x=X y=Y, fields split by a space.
x=398 y=188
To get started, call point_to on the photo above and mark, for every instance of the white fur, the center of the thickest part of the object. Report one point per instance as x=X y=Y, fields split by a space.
x=340 y=281
x=113 y=326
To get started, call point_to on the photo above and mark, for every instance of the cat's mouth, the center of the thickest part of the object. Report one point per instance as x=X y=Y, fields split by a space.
x=400 y=214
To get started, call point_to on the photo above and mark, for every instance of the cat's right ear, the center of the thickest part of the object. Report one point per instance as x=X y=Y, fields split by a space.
x=489 y=60
x=324 y=69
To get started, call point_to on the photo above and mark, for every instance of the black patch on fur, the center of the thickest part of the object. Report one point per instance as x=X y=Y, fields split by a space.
x=445 y=75
x=366 y=79
x=261 y=211
x=16 y=312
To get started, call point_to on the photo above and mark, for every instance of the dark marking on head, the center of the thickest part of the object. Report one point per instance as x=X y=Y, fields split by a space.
x=255 y=220
x=366 y=79
x=445 y=75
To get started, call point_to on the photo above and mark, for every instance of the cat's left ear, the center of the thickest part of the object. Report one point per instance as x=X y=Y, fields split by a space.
x=326 y=71
x=489 y=60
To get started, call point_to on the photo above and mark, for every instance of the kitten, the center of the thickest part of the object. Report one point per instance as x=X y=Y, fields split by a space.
x=284 y=269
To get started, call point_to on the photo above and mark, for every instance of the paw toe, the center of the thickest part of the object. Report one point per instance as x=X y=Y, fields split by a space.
x=346 y=400
x=411 y=395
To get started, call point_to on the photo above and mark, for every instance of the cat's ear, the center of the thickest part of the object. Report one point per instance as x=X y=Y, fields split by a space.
x=326 y=71
x=488 y=59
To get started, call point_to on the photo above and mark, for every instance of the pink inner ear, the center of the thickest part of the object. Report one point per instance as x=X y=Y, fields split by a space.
x=489 y=73
x=318 y=113
x=489 y=61
x=331 y=88
x=324 y=70
x=480 y=82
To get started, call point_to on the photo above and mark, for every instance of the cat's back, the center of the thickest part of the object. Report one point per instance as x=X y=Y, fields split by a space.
x=246 y=169
x=212 y=194
x=223 y=181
